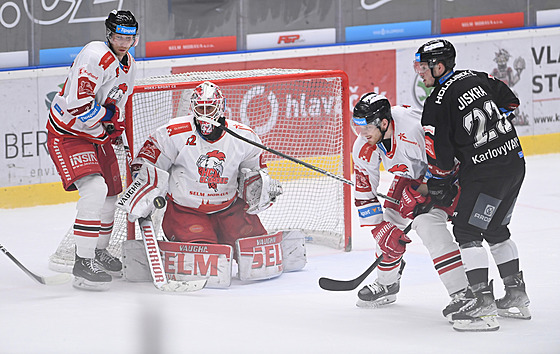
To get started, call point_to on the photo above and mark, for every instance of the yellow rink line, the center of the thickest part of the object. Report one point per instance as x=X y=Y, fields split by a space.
x=53 y=193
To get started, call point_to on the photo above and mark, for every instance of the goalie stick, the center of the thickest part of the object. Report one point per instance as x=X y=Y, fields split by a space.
x=152 y=249
x=156 y=264
x=288 y=157
x=50 y=280
x=345 y=285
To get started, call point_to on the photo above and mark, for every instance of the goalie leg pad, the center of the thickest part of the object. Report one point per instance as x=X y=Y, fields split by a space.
x=135 y=262
x=259 y=257
x=293 y=250
x=184 y=261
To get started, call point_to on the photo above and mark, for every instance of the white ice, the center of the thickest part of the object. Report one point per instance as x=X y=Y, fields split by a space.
x=290 y=314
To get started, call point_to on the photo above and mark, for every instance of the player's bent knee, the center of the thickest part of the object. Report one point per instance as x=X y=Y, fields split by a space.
x=92 y=190
x=432 y=229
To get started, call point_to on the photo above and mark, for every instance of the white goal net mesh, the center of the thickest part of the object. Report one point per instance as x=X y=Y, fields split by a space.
x=300 y=113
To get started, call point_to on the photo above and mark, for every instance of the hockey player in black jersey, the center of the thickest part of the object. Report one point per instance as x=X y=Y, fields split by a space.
x=470 y=137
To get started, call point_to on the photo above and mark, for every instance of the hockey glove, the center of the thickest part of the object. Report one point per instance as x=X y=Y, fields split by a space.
x=410 y=202
x=139 y=198
x=258 y=189
x=392 y=241
x=442 y=190
x=113 y=126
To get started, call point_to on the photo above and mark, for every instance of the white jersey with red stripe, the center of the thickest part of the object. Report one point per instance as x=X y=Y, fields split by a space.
x=96 y=78
x=203 y=174
x=406 y=158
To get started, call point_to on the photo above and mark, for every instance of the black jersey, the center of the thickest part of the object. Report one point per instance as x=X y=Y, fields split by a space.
x=465 y=118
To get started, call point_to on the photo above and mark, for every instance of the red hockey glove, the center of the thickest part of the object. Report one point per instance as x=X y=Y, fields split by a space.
x=113 y=126
x=410 y=199
x=390 y=239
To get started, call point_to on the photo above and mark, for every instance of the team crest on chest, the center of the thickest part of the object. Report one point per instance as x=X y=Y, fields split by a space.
x=210 y=168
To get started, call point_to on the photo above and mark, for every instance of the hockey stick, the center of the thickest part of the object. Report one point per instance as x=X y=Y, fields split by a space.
x=156 y=264
x=152 y=249
x=288 y=157
x=266 y=148
x=345 y=285
x=50 y=280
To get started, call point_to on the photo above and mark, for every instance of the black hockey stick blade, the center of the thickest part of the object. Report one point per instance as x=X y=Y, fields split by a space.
x=346 y=285
x=50 y=280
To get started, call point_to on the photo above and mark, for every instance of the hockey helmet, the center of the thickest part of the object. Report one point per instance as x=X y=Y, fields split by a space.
x=372 y=109
x=208 y=103
x=121 y=22
x=433 y=52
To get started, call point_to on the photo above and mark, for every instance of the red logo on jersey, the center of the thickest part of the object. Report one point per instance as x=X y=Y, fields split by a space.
x=362 y=182
x=106 y=60
x=210 y=169
x=399 y=168
x=402 y=137
x=366 y=151
x=116 y=94
x=430 y=147
x=179 y=128
x=85 y=88
x=149 y=151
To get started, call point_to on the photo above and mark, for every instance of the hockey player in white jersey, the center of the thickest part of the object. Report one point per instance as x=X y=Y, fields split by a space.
x=85 y=117
x=394 y=136
x=217 y=183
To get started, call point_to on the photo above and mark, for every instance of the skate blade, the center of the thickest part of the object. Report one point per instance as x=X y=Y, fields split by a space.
x=520 y=313
x=377 y=303
x=84 y=284
x=480 y=324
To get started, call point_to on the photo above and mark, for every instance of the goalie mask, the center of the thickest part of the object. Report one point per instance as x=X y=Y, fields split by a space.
x=369 y=113
x=123 y=26
x=208 y=103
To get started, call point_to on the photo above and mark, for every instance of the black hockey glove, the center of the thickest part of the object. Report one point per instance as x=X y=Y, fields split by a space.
x=442 y=190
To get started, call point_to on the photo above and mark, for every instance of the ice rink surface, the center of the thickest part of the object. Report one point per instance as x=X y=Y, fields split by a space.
x=289 y=314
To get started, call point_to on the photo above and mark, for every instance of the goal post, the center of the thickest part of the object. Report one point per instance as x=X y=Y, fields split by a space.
x=301 y=113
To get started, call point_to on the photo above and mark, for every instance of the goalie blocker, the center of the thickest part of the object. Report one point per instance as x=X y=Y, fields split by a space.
x=258 y=258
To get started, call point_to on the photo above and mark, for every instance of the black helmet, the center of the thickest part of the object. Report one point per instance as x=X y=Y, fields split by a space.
x=437 y=50
x=371 y=109
x=122 y=22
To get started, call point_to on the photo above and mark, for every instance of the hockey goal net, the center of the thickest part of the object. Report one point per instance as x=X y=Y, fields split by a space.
x=301 y=113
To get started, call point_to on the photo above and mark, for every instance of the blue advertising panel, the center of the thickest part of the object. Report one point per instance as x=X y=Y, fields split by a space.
x=388 y=31
x=57 y=56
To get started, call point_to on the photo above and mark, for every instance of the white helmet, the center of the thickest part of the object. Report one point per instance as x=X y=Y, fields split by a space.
x=207 y=102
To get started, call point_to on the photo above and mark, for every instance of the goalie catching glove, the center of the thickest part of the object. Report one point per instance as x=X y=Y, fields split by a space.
x=138 y=199
x=258 y=189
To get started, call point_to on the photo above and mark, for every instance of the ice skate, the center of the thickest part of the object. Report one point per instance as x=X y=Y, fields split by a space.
x=515 y=303
x=458 y=301
x=376 y=294
x=88 y=276
x=479 y=314
x=108 y=262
